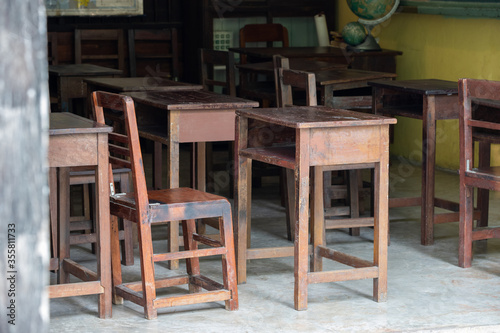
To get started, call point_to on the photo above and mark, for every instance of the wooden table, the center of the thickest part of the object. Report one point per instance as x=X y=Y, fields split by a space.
x=320 y=136
x=428 y=100
x=382 y=61
x=195 y=116
x=66 y=81
x=77 y=141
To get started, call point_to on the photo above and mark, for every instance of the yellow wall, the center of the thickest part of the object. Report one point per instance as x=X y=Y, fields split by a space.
x=436 y=47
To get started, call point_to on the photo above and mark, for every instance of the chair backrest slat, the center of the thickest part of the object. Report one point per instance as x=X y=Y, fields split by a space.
x=128 y=152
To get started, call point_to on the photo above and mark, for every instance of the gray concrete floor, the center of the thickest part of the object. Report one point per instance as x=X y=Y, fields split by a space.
x=427 y=291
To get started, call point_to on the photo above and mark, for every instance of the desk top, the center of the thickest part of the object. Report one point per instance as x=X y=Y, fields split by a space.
x=190 y=100
x=68 y=123
x=122 y=84
x=82 y=70
x=422 y=87
x=337 y=76
x=314 y=117
x=310 y=52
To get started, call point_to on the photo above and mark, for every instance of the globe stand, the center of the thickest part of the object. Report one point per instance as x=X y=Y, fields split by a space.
x=370 y=44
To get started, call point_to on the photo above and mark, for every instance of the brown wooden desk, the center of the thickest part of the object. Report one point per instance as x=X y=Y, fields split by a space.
x=428 y=100
x=320 y=136
x=382 y=61
x=77 y=141
x=195 y=116
x=66 y=81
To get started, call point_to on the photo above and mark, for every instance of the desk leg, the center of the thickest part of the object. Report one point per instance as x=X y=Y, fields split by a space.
x=242 y=174
x=173 y=177
x=428 y=161
x=201 y=167
x=63 y=223
x=381 y=220
x=53 y=211
x=318 y=218
x=157 y=165
x=301 y=252
x=103 y=229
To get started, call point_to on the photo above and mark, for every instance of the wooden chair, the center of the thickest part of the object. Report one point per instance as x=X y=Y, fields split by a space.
x=286 y=80
x=104 y=47
x=209 y=60
x=263 y=91
x=154 y=52
x=479 y=121
x=149 y=207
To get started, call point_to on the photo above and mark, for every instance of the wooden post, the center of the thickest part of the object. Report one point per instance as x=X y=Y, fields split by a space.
x=24 y=107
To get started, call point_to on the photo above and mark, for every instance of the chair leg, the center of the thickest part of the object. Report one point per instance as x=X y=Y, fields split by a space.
x=229 y=260
x=147 y=270
x=466 y=221
x=192 y=264
x=116 y=267
x=128 y=235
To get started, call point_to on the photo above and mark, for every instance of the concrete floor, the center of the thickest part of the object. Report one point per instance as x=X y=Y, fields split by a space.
x=427 y=291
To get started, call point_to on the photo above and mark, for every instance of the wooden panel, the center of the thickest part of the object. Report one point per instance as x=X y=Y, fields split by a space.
x=357 y=146
x=66 y=150
x=200 y=126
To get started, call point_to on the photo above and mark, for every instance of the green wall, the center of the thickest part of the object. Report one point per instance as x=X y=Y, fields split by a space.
x=437 y=47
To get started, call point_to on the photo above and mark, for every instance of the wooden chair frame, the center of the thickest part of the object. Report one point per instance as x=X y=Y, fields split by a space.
x=148 y=207
x=479 y=122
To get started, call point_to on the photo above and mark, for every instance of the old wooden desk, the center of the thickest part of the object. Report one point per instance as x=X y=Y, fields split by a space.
x=382 y=61
x=319 y=136
x=195 y=116
x=66 y=81
x=77 y=141
x=428 y=100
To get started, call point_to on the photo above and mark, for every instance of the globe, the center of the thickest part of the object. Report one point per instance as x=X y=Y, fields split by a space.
x=371 y=13
x=354 y=33
x=370 y=9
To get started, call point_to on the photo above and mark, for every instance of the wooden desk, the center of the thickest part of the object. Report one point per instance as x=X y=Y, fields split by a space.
x=195 y=116
x=66 y=81
x=321 y=136
x=77 y=141
x=428 y=100
x=382 y=61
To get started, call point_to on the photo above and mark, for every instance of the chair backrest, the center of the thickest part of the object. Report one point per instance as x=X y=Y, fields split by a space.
x=286 y=79
x=52 y=45
x=269 y=33
x=209 y=59
x=124 y=149
x=153 y=52
x=103 y=47
x=479 y=116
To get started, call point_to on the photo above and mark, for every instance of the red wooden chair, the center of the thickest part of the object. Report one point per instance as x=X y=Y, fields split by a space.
x=479 y=121
x=148 y=207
